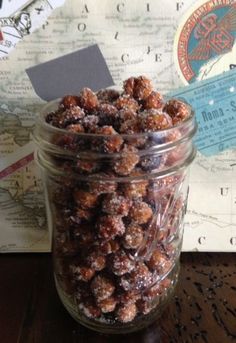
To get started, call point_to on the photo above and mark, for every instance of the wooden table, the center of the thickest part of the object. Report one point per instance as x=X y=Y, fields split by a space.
x=203 y=309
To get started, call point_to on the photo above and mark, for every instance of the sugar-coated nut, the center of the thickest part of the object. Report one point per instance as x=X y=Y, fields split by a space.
x=126 y=114
x=76 y=128
x=116 y=204
x=69 y=101
x=66 y=248
x=140 y=212
x=178 y=110
x=108 y=114
x=107 y=305
x=107 y=95
x=81 y=213
x=82 y=273
x=130 y=126
x=159 y=262
x=127 y=161
x=121 y=264
x=70 y=116
x=146 y=307
x=86 y=166
x=110 y=226
x=133 y=236
x=126 y=312
x=89 y=309
x=129 y=296
x=139 y=278
x=138 y=87
x=102 y=287
x=151 y=163
x=154 y=100
x=109 y=247
x=101 y=186
x=136 y=188
x=110 y=144
x=96 y=260
x=128 y=86
x=155 y=120
x=88 y=100
x=126 y=102
x=90 y=123
x=85 y=199
x=152 y=293
x=142 y=88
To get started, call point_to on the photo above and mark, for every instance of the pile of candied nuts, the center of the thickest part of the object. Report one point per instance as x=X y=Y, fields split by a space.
x=100 y=225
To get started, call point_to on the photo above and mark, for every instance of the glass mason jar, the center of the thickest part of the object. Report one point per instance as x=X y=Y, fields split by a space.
x=117 y=220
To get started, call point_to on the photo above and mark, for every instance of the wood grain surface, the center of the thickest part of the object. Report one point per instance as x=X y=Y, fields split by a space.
x=202 y=310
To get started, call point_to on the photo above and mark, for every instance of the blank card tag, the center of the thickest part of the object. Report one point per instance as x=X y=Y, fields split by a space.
x=70 y=73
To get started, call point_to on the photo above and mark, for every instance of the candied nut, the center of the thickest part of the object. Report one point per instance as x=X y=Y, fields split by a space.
x=126 y=102
x=126 y=312
x=121 y=264
x=66 y=247
x=153 y=162
x=86 y=166
x=85 y=199
x=128 y=160
x=154 y=100
x=62 y=196
x=142 y=88
x=139 y=278
x=133 y=236
x=129 y=297
x=136 y=188
x=116 y=204
x=154 y=120
x=76 y=128
x=138 y=87
x=152 y=293
x=69 y=101
x=81 y=213
x=128 y=86
x=102 y=287
x=82 y=273
x=140 y=212
x=110 y=226
x=96 y=260
x=107 y=305
x=159 y=261
x=90 y=309
x=108 y=114
x=130 y=126
x=109 y=247
x=110 y=144
x=146 y=307
x=107 y=95
x=127 y=114
x=101 y=186
x=90 y=123
x=70 y=116
x=88 y=100
x=178 y=110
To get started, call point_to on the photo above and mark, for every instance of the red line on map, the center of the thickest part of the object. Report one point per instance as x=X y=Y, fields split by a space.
x=17 y=165
x=1 y=36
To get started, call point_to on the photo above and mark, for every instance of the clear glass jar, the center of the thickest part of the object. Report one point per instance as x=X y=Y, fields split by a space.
x=117 y=220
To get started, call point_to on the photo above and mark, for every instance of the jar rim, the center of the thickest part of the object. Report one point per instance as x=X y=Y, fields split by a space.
x=44 y=111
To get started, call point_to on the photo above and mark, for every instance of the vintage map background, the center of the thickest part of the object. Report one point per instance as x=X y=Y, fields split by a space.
x=135 y=38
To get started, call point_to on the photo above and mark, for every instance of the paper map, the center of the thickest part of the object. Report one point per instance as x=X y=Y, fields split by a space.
x=135 y=38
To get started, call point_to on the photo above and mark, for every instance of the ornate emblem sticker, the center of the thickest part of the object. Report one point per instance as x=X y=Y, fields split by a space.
x=205 y=43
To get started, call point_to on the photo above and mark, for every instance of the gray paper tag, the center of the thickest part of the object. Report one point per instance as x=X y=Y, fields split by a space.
x=70 y=73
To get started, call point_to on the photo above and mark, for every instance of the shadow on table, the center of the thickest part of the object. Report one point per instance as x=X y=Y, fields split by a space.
x=152 y=334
